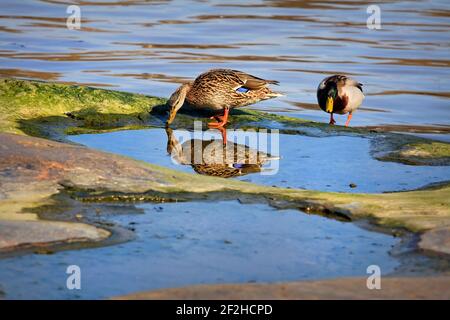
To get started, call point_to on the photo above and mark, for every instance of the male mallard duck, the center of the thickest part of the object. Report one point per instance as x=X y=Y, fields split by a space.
x=340 y=94
x=219 y=90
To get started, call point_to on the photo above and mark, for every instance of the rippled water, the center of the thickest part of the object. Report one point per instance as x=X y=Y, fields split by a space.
x=151 y=46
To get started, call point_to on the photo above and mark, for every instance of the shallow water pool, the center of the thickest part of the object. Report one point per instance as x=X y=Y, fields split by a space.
x=180 y=244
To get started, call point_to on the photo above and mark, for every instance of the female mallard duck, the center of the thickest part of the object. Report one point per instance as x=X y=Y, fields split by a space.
x=340 y=94
x=219 y=90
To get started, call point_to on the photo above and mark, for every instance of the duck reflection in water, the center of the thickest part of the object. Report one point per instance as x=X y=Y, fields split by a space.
x=215 y=158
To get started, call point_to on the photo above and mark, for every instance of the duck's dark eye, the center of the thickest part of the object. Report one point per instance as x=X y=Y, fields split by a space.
x=242 y=89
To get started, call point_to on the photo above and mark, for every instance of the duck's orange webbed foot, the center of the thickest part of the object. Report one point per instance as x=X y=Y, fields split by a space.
x=221 y=120
x=348 y=119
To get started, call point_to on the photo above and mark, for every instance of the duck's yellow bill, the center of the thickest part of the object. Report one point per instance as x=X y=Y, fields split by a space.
x=330 y=103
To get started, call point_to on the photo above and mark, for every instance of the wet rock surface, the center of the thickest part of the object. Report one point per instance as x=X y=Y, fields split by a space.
x=33 y=169
x=26 y=160
x=436 y=241
x=347 y=288
x=25 y=234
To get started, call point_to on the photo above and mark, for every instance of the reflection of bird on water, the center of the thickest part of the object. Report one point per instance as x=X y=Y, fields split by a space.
x=219 y=90
x=213 y=158
x=340 y=94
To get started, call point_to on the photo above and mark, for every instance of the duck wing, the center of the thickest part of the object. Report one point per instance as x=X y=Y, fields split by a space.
x=233 y=79
x=251 y=82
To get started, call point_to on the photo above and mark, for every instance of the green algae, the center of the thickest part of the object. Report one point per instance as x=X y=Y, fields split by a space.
x=30 y=107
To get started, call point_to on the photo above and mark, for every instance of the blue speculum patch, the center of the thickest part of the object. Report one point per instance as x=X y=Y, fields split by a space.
x=242 y=90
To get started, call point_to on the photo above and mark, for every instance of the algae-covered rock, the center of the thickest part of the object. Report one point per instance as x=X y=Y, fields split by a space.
x=35 y=108
x=437 y=153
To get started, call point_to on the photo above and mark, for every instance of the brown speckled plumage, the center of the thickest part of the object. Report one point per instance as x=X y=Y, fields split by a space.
x=218 y=89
